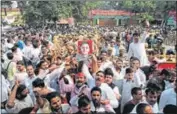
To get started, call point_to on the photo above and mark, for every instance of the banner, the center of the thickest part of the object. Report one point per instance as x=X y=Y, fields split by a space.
x=166 y=66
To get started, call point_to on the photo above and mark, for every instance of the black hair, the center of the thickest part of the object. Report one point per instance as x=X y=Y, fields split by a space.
x=136 y=59
x=99 y=58
x=10 y=56
x=83 y=101
x=20 y=63
x=140 y=108
x=26 y=110
x=152 y=53
x=95 y=89
x=100 y=72
x=165 y=72
x=131 y=58
x=45 y=43
x=104 y=51
x=20 y=88
x=151 y=90
x=40 y=63
x=135 y=90
x=154 y=86
x=35 y=43
x=119 y=60
x=108 y=71
x=135 y=34
x=128 y=70
x=14 y=48
x=36 y=71
x=38 y=83
x=170 y=109
x=29 y=65
x=52 y=95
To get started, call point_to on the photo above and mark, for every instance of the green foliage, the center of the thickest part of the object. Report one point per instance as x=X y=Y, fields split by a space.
x=39 y=12
x=6 y=4
x=146 y=16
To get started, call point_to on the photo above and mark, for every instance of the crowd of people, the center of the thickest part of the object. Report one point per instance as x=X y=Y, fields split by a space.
x=111 y=70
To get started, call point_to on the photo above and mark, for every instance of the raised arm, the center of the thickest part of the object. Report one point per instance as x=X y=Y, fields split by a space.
x=11 y=103
x=89 y=77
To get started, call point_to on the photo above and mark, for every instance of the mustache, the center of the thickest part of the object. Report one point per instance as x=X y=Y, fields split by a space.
x=79 y=82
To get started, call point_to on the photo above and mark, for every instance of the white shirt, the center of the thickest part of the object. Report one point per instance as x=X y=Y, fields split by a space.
x=155 y=107
x=167 y=97
x=51 y=78
x=4 y=88
x=20 y=104
x=9 y=46
x=126 y=92
x=107 y=64
x=108 y=93
x=35 y=55
x=27 y=50
x=28 y=82
x=140 y=78
x=20 y=76
x=18 y=56
x=89 y=78
x=117 y=76
x=102 y=108
x=138 y=50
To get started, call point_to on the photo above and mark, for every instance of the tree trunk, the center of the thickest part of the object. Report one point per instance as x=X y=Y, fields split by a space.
x=21 y=11
x=5 y=11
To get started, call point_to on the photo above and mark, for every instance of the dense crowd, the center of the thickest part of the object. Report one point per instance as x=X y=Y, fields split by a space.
x=50 y=72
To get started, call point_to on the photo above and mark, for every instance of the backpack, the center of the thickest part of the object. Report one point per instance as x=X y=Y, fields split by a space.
x=5 y=71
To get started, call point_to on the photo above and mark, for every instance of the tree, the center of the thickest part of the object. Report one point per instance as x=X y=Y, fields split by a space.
x=5 y=5
x=38 y=13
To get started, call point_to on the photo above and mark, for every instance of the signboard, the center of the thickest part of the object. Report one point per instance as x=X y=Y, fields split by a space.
x=166 y=66
x=109 y=13
x=172 y=14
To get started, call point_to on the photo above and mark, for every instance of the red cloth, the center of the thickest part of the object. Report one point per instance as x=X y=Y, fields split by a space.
x=166 y=66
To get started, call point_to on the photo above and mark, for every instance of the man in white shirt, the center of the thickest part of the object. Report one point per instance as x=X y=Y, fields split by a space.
x=5 y=89
x=18 y=55
x=27 y=50
x=139 y=76
x=151 y=98
x=35 y=58
x=9 y=44
x=168 y=97
x=21 y=74
x=29 y=79
x=107 y=92
x=97 y=105
x=118 y=74
x=105 y=62
x=137 y=49
x=19 y=99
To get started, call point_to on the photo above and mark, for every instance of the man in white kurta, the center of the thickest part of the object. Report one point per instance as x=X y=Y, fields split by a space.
x=137 y=49
x=168 y=97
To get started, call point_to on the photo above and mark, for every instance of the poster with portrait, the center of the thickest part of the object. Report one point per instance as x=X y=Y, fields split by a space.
x=85 y=47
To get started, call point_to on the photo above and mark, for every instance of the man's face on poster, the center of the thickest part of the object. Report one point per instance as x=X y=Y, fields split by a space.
x=85 y=49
